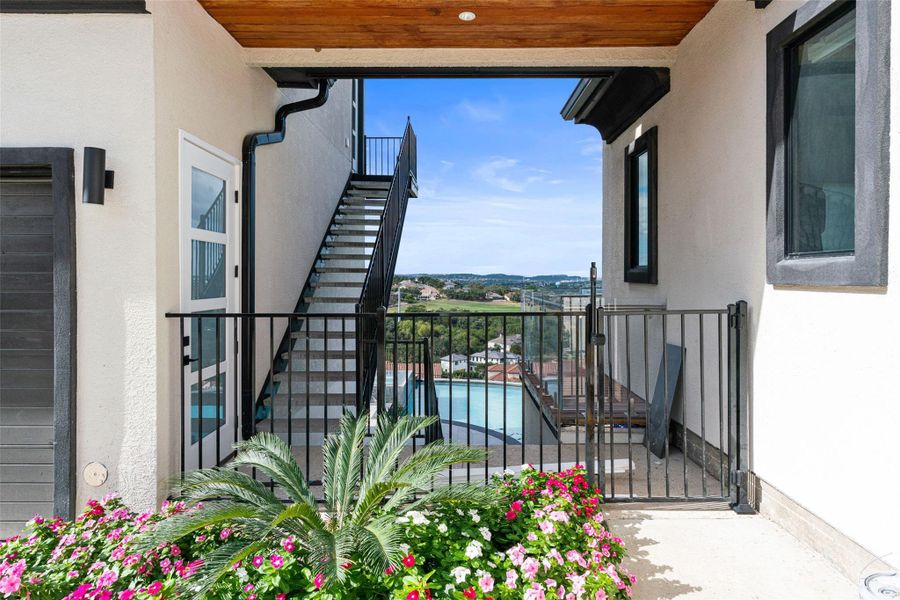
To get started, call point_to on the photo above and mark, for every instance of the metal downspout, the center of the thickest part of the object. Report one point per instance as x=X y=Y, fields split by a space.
x=248 y=241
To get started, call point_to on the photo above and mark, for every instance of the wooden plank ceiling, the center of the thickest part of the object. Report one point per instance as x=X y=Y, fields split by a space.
x=436 y=23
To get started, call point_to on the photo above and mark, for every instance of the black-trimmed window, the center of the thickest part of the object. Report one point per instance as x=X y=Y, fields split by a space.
x=640 y=209
x=827 y=147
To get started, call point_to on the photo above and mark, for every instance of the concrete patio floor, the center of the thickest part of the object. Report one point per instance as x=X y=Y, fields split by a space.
x=708 y=551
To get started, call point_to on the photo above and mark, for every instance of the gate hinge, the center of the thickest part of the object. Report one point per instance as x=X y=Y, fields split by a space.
x=598 y=339
x=236 y=270
x=235 y=196
x=738 y=477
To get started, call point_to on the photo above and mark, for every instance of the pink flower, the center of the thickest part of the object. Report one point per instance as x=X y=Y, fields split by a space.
x=511 y=515
x=531 y=536
x=511 y=578
x=555 y=555
x=248 y=587
x=12 y=578
x=257 y=561
x=288 y=545
x=409 y=561
x=486 y=583
x=319 y=580
x=251 y=597
x=276 y=561
x=72 y=574
x=413 y=595
x=530 y=568
x=225 y=534
x=107 y=579
x=600 y=595
x=517 y=554
x=126 y=594
x=547 y=527
x=280 y=596
x=154 y=588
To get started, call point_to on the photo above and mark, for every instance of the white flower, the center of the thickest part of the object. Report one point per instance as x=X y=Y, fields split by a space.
x=442 y=528
x=460 y=512
x=485 y=533
x=402 y=520
x=405 y=548
x=449 y=588
x=241 y=574
x=460 y=573
x=475 y=516
x=417 y=518
x=473 y=550
x=507 y=472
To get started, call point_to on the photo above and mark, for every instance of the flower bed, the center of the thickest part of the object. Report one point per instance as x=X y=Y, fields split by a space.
x=544 y=537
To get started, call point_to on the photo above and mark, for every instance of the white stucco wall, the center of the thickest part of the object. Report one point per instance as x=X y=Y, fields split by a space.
x=825 y=410
x=87 y=80
x=128 y=83
x=203 y=87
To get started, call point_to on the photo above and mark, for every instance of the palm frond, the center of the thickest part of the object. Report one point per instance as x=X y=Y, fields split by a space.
x=208 y=484
x=379 y=542
x=391 y=436
x=178 y=526
x=371 y=502
x=218 y=562
x=271 y=455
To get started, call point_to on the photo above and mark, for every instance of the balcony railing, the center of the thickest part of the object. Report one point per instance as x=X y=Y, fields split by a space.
x=381 y=154
x=653 y=401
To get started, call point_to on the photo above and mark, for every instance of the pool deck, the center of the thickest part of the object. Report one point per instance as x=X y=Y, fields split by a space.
x=702 y=552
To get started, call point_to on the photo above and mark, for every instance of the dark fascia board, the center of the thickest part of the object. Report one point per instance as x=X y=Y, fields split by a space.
x=761 y=3
x=613 y=104
x=306 y=77
x=60 y=162
x=73 y=6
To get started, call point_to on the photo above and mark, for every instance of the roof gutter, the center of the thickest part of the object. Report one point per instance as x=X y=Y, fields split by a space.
x=248 y=238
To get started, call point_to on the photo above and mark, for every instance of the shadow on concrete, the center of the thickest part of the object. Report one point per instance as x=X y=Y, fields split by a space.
x=654 y=581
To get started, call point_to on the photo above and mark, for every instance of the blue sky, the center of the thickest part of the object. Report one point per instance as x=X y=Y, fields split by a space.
x=505 y=185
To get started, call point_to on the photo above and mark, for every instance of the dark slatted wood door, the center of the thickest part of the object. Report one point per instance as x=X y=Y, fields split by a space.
x=26 y=350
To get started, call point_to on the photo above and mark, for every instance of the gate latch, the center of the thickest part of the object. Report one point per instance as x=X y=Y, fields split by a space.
x=599 y=339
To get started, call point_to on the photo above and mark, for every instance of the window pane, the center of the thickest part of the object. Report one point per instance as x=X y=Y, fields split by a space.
x=207 y=201
x=821 y=155
x=641 y=210
x=209 y=340
x=207 y=407
x=207 y=270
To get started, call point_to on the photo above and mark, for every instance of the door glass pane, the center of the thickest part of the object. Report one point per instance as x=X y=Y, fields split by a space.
x=641 y=210
x=207 y=407
x=207 y=270
x=209 y=340
x=207 y=201
x=822 y=141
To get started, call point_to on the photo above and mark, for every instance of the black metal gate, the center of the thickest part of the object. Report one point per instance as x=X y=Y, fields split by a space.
x=666 y=416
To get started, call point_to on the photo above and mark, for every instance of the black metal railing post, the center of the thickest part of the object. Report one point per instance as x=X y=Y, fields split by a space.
x=589 y=395
x=739 y=367
x=380 y=358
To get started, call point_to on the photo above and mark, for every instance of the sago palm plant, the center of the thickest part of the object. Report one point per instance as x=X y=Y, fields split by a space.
x=364 y=488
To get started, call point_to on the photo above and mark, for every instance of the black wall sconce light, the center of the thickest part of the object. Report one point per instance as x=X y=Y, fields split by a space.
x=96 y=178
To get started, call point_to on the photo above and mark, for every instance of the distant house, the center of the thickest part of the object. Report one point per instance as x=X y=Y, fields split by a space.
x=493 y=357
x=408 y=283
x=496 y=373
x=450 y=285
x=511 y=340
x=454 y=362
x=493 y=296
x=426 y=292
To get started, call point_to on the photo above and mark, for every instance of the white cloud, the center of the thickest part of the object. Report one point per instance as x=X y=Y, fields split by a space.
x=500 y=172
x=481 y=111
x=591 y=147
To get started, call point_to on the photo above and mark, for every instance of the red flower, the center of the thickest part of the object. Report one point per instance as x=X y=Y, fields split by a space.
x=510 y=515
x=516 y=506
x=389 y=570
x=413 y=595
x=409 y=561
x=469 y=593
x=428 y=592
x=347 y=565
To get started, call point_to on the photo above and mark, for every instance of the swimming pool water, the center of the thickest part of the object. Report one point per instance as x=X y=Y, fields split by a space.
x=468 y=405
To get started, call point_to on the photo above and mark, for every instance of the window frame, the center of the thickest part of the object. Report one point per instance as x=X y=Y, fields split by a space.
x=867 y=265
x=647 y=142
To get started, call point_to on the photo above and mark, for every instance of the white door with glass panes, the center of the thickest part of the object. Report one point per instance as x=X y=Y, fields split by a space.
x=209 y=286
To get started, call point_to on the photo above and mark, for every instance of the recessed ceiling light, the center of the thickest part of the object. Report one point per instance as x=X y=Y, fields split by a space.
x=467 y=15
